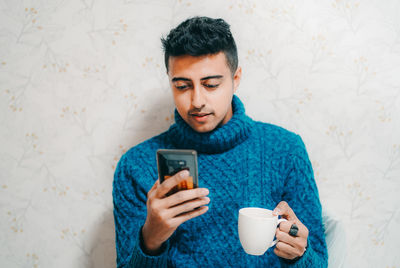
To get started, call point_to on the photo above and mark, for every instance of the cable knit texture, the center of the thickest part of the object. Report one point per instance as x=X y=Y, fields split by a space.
x=243 y=163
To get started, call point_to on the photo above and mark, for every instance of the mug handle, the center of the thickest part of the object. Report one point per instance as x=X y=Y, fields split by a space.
x=273 y=243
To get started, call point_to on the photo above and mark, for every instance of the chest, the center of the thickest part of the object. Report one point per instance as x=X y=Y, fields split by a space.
x=246 y=176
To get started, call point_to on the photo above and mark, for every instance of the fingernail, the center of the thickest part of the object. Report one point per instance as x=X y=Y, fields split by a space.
x=184 y=174
x=276 y=211
x=205 y=191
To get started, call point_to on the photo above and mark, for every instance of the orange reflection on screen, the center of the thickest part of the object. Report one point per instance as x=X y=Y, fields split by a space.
x=183 y=185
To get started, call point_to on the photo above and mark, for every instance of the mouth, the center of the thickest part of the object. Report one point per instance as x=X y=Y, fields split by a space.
x=200 y=117
x=200 y=114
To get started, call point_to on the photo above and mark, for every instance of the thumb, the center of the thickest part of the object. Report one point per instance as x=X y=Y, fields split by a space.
x=155 y=185
x=283 y=209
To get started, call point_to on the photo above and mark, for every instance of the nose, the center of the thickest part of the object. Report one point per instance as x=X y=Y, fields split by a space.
x=198 y=98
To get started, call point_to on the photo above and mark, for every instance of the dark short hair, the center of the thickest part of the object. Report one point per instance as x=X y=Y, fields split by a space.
x=200 y=36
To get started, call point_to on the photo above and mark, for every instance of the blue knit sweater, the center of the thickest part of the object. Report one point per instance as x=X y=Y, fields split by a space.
x=243 y=163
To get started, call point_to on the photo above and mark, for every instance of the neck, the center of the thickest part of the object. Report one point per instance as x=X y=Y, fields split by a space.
x=227 y=117
x=227 y=135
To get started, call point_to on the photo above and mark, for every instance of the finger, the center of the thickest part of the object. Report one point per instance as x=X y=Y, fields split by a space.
x=299 y=243
x=153 y=188
x=285 y=226
x=189 y=215
x=155 y=185
x=302 y=229
x=291 y=250
x=187 y=206
x=286 y=251
x=171 y=182
x=184 y=196
x=283 y=209
x=285 y=237
x=283 y=254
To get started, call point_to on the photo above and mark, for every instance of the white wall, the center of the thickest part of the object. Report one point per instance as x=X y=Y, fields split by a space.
x=83 y=81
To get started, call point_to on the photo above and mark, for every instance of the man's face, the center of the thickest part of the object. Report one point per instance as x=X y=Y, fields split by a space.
x=203 y=88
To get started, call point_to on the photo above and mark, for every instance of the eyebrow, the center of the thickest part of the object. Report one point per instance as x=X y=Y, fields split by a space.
x=212 y=77
x=202 y=79
x=180 y=79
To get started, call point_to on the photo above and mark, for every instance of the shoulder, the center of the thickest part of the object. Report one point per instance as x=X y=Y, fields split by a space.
x=278 y=138
x=275 y=130
x=140 y=159
x=144 y=151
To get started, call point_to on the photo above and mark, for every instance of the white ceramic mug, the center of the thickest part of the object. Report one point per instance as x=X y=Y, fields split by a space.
x=257 y=228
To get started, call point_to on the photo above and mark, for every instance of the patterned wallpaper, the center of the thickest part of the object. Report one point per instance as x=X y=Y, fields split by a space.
x=82 y=81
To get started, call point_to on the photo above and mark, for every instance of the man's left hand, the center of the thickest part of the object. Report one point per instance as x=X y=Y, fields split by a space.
x=289 y=246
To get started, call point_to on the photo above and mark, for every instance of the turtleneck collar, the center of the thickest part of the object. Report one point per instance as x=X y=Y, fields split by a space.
x=221 y=139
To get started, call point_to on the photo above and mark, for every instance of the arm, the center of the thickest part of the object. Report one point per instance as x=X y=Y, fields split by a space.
x=129 y=200
x=301 y=194
x=147 y=245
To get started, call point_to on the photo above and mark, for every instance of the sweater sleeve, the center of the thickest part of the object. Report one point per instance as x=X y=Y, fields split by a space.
x=301 y=194
x=129 y=199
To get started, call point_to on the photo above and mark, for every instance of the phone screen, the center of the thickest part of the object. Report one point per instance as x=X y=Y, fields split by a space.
x=171 y=161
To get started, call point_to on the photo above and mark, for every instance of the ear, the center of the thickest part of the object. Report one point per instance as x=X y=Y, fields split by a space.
x=236 y=78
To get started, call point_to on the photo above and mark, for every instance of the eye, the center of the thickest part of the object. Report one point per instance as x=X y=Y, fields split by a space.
x=181 y=87
x=211 y=85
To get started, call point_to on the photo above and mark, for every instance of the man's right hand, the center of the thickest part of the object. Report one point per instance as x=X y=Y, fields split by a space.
x=165 y=214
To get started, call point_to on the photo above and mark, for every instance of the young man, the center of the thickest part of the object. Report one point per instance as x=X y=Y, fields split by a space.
x=241 y=162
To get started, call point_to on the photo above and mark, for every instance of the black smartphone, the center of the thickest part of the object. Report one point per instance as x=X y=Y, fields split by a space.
x=171 y=161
